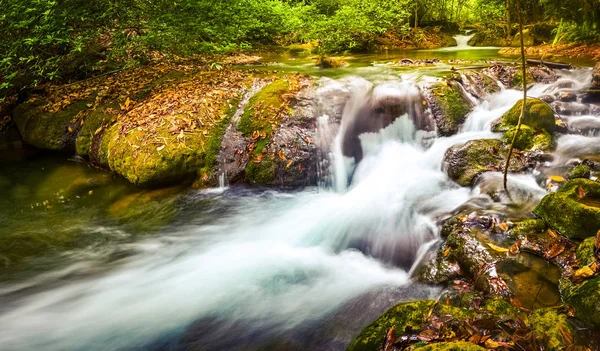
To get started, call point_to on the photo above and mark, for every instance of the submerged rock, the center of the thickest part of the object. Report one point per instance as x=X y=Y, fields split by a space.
x=464 y=163
x=538 y=116
x=574 y=210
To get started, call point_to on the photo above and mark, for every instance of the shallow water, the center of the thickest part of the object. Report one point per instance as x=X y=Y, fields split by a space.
x=91 y=263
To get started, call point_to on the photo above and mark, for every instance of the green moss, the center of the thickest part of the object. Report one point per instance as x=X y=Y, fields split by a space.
x=538 y=116
x=103 y=150
x=585 y=252
x=451 y=346
x=405 y=317
x=454 y=108
x=143 y=164
x=465 y=163
x=580 y=171
x=517 y=80
x=263 y=109
x=526 y=227
x=584 y=297
x=500 y=308
x=570 y=215
x=457 y=313
x=215 y=136
x=95 y=120
x=46 y=130
x=549 y=326
x=261 y=173
x=528 y=138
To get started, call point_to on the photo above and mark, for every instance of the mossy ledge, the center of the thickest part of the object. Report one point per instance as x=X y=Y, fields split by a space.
x=573 y=210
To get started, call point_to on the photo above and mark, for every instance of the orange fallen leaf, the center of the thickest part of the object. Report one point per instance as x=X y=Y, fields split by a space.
x=580 y=192
x=583 y=272
x=446 y=252
x=281 y=155
x=557 y=179
x=289 y=164
x=503 y=226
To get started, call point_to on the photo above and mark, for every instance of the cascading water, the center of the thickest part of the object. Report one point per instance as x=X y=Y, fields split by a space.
x=462 y=41
x=268 y=264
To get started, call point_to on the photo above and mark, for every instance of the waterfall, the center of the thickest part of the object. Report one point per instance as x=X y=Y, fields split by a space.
x=462 y=41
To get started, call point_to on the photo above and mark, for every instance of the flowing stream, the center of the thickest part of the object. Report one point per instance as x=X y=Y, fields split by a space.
x=249 y=269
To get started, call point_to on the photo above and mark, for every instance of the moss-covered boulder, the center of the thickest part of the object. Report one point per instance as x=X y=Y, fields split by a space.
x=538 y=116
x=551 y=328
x=45 y=128
x=529 y=138
x=330 y=62
x=584 y=297
x=527 y=39
x=585 y=252
x=449 y=107
x=404 y=317
x=596 y=77
x=580 y=171
x=451 y=346
x=464 y=163
x=97 y=119
x=574 y=210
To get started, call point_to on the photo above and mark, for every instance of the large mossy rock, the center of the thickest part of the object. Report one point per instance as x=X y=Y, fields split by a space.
x=97 y=119
x=573 y=210
x=538 y=116
x=584 y=297
x=404 y=317
x=449 y=107
x=464 y=163
x=46 y=129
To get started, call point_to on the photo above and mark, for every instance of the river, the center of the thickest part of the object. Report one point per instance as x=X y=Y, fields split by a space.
x=90 y=263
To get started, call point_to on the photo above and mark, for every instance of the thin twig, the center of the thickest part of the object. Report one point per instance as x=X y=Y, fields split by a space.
x=523 y=109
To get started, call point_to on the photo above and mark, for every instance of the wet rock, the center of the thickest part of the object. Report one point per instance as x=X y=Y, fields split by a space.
x=568 y=96
x=405 y=317
x=586 y=251
x=478 y=83
x=448 y=105
x=580 y=171
x=538 y=115
x=529 y=138
x=527 y=39
x=596 y=77
x=574 y=210
x=464 y=163
x=10 y=138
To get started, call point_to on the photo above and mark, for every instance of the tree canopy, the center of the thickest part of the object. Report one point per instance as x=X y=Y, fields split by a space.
x=43 y=40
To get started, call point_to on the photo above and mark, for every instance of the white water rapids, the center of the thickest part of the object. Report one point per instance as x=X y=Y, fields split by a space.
x=273 y=260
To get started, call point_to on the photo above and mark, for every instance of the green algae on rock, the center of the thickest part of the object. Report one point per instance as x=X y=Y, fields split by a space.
x=404 y=317
x=551 y=328
x=464 y=163
x=99 y=118
x=529 y=138
x=538 y=116
x=585 y=252
x=573 y=210
x=449 y=107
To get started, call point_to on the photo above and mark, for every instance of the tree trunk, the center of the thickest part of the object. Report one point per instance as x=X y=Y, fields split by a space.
x=508 y=24
x=416 y=15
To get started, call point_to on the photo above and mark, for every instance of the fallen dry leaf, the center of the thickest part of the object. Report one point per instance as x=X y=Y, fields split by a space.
x=497 y=248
